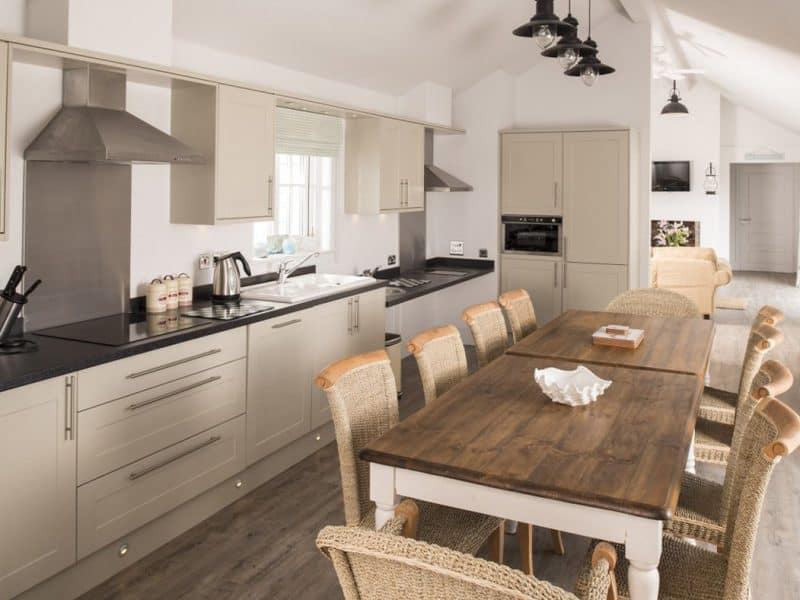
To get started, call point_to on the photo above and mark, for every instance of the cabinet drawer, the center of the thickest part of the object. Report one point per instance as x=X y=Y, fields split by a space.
x=130 y=375
x=120 y=432
x=124 y=500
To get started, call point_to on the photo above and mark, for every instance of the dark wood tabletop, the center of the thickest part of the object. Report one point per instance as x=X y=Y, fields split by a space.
x=626 y=452
x=677 y=345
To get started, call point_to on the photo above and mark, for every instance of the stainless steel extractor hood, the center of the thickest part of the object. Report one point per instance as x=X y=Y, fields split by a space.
x=93 y=125
x=436 y=179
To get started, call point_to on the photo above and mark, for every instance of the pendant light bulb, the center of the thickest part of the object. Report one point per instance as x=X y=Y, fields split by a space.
x=567 y=58
x=545 y=37
x=589 y=75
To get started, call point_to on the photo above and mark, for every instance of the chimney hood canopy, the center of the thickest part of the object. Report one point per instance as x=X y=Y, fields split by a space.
x=93 y=126
x=439 y=180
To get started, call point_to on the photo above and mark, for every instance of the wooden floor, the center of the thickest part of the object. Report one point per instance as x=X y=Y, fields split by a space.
x=263 y=545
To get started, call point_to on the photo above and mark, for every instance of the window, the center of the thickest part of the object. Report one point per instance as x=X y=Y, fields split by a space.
x=308 y=153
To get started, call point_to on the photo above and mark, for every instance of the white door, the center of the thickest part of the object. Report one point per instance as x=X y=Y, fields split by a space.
x=531 y=174
x=540 y=277
x=764 y=218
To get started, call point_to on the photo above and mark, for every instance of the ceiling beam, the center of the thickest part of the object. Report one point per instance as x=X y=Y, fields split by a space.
x=636 y=10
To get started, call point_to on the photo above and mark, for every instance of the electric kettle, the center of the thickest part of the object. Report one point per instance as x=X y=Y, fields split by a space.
x=227 y=280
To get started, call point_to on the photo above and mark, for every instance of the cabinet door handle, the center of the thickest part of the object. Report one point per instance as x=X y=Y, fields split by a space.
x=564 y=241
x=565 y=275
x=555 y=275
x=136 y=475
x=173 y=364
x=287 y=323
x=357 y=311
x=143 y=403
x=69 y=408
x=269 y=195
x=350 y=316
x=555 y=194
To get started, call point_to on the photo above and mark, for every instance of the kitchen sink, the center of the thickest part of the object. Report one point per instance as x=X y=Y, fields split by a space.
x=305 y=287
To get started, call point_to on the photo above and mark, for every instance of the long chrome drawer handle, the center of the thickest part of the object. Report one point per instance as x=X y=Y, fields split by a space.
x=282 y=325
x=143 y=472
x=193 y=386
x=174 y=364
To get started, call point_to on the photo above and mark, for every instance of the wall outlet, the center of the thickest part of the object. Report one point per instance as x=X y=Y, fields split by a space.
x=205 y=262
x=391 y=259
x=483 y=253
x=456 y=248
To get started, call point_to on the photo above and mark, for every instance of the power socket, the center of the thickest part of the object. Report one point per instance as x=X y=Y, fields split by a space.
x=483 y=253
x=391 y=259
x=456 y=248
x=204 y=262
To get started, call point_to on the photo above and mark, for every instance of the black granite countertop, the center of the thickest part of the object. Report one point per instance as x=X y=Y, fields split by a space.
x=56 y=357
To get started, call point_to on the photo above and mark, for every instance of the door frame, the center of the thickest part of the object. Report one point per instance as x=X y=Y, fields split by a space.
x=732 y=206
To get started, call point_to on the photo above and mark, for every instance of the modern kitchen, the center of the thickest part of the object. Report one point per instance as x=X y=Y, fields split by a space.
x=241 y=279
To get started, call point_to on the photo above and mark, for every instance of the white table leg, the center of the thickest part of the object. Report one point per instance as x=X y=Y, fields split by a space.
x=691 y=465
x=383 y=492
x=643 y=551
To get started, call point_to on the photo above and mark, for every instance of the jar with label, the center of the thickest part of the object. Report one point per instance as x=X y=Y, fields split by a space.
x=156 y=296
x=185 y=292
x=172 y=291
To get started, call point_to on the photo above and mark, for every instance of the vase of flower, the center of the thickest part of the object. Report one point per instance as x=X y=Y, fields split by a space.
x=671 y=233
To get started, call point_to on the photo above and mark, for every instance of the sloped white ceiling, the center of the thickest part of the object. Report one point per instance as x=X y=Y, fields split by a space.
x=749 y=50
x=385 y=45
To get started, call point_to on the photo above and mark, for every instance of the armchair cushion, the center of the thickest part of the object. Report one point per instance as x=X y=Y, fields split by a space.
x=694 y=272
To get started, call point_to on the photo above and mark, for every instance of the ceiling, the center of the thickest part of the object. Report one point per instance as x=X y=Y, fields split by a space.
x=750 y=52
x=384 y=45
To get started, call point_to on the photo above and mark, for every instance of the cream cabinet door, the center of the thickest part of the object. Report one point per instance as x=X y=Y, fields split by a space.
x=245 y=154
x=332 y=326
x=38 y=474
x=370 y=321
x=540 y=277
x=596 y=197
x=392 y=191
x=279 y=377
x=592 y=287
x=411 y=144
x=531 y=173
x=3 y=110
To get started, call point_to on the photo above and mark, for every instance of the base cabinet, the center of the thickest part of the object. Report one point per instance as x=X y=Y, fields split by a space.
x=592 y=287
x=540 y=277
x=38 y=474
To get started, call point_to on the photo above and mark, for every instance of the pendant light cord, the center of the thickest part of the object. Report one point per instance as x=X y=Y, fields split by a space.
x=590 y=18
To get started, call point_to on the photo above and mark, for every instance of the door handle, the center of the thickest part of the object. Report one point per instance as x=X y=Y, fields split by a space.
x=287 y=323
x=350 y=316
x=555 y=194
x=564 y=281
x=173 y=364
x=269 y=195
x=136 y=475
x=745 y=221
x=357 y=311
x=143 y=403
x=564 y=241
x=555 y=275
x=69 y=408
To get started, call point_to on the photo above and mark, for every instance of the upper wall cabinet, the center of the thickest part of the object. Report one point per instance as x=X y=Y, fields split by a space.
x=3 y=111
x=384 y=166
x=531 y=177
x=235 y=129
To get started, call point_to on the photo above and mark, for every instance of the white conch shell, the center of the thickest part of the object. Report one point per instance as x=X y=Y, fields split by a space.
x=573 y=388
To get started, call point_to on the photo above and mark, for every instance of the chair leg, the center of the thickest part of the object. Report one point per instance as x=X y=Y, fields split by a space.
x=496 y=544
x=525 y=536
x=558 y=543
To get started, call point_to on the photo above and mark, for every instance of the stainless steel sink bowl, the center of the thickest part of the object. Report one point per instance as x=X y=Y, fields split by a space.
x=305 y=287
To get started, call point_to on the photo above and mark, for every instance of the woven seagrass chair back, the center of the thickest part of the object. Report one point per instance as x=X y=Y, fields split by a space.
x=362 y=395
x=769 y=315
x=762 y=340
x=441 y=360
x=772 y=379
x=518 y=307
x=375 y=565
x=488 y=327
x=772 y=433
x=652 y=302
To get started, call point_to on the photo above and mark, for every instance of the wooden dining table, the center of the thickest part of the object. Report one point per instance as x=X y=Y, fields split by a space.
x=496 y=445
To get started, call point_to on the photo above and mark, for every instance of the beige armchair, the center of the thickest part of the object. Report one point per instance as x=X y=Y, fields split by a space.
x=693 y=272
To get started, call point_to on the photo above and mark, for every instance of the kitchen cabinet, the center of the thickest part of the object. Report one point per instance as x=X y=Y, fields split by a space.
x=596 y=197
x=532 y=173
x=4 y=71
x=592 y=286
x=279 y=379
x=384 y=166
x=540 y=277
x=38 y=471
x=234 y=128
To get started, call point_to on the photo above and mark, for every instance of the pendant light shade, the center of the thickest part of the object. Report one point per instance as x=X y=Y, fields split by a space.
x=589 y=67
x=569 y=49
x=675 y=106
x=710 y=184
x=544 y=26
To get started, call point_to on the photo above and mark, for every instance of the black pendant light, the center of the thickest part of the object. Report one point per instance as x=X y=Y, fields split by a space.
x=569 y=49
x=589 y=68
x=544 y=26
x=675 y=106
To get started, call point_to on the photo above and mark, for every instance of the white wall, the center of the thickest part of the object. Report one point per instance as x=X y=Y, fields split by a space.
x=694 y=137
x=12 y=16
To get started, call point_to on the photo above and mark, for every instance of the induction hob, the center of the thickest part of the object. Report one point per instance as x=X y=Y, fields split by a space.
x=118 y=330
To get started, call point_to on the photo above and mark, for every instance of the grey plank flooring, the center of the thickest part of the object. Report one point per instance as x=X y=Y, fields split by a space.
x=263 y=545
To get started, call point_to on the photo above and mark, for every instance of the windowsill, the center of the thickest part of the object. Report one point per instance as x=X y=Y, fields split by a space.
x=279 y=257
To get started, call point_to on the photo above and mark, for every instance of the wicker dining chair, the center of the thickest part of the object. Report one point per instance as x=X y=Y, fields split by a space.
x=442 y=364
x=717 y=414
x=488 y=327
x=690 y=571
x=362 y=396
x=703 y=505
x=719 y=405
x=381 y=565
x=652 y=302
x=519 y=311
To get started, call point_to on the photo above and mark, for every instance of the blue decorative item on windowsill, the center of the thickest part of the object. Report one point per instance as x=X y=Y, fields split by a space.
x=289 y=246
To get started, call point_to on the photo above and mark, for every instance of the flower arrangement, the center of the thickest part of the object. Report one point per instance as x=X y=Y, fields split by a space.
x=671 y=233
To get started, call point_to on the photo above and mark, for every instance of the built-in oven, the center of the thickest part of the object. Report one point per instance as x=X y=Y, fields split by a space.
x=532 y=235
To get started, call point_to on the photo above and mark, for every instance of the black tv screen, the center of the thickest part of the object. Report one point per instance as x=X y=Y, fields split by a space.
x=671 y=176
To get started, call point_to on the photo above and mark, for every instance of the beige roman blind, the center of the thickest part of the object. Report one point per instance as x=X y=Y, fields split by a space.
x=311 y=134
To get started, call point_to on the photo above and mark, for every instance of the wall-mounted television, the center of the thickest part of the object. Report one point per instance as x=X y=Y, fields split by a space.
x=671 y=176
